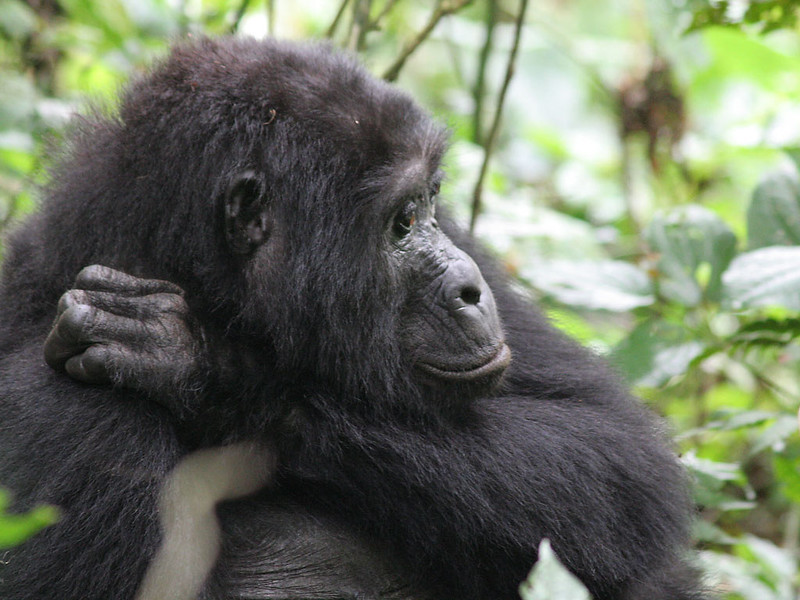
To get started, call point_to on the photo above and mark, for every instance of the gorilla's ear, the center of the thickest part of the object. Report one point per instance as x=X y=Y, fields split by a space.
x=248 y=221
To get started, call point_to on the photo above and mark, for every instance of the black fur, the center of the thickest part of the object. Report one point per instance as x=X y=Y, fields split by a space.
x=454 y=491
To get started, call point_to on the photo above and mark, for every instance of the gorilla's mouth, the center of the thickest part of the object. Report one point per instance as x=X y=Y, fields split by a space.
x=493 y=366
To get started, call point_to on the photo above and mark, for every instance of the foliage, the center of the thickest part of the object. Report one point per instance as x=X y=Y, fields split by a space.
x=642 y=184
x=15 y=528
x=550 y=579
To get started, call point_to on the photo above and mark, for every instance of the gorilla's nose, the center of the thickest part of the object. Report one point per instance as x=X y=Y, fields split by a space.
x=467 y=296
x=464 y=285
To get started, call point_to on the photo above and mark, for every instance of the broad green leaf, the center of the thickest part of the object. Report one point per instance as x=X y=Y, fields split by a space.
x=764 y=277
x=775 y=435
x=549 y=579
x=773 y=218
x=777 y=331
x=738 y=575
x=18 y=141
x=780 y=564
x=686 y=239
x=17 y=19
x=736 y=54
x=15 y=529
x=654 y=352
x=606 y=285
x=717 y=472
x=711 y=481
x=733 y=421
x=704 y=531
x=110 y=17
x=788 y=474
x=17 y=102
x=572 y=324
x=747 y=418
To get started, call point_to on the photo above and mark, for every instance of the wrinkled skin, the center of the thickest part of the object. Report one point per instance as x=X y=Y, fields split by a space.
x=136 y=333
x=429 y=427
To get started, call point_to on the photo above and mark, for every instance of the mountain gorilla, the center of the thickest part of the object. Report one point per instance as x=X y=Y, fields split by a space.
x=320 y=305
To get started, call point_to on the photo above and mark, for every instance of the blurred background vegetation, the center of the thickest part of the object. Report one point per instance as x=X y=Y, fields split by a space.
x=633 y=163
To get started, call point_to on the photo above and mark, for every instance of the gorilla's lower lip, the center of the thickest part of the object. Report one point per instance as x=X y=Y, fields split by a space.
x=497 y=363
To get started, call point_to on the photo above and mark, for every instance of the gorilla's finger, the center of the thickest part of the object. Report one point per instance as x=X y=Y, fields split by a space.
x=141 y=308
x=105 y=279
x=81 y=326
x=91 y=366
x=66 y=338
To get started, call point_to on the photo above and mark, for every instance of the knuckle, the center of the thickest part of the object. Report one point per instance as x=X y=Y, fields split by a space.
x=90 y=274
x=90 y=366
x=171 y=288
x=95 y=359
x=80 y=317
x=172 y=303
x=70 y=299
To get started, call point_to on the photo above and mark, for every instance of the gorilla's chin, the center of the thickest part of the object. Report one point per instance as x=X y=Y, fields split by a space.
x=489 y=369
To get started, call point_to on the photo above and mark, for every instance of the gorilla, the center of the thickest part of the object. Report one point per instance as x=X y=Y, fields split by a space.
x=276 y=271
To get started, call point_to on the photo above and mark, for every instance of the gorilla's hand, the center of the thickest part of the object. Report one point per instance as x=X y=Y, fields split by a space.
x=113 y=328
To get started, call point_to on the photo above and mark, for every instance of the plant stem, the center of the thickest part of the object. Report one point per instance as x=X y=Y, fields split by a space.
x=480 y=81
x=443 y=8
x=337 y=19
x=491 y=140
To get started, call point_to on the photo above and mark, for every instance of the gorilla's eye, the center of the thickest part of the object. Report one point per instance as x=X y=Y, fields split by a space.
x=404 y=219
x=435 y=189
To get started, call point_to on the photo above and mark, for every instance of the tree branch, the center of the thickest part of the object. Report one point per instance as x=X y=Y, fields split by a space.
x=492 y=138
x=337 y=19
x=480 y=82
x=443 y=8
x=239 y=14
x=360 y=25
x=387 y=8
x=271 y=16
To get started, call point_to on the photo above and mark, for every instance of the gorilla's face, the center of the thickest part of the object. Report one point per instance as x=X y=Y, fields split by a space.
x=449 y=327
x=392 y=264
x=346 y=268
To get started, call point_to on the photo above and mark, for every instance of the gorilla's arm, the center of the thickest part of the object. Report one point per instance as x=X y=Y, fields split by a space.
x=564 y=453
x=100 y=456
x=104 y=461
x=467 y=505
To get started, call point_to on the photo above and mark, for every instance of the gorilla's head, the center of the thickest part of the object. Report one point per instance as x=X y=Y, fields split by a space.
x=294 y=197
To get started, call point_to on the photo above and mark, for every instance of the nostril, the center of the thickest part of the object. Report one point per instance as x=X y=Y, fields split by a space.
x=470 y=295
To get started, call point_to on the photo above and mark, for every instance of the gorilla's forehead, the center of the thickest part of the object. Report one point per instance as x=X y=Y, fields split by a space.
x=325 y=90
x=408 y=176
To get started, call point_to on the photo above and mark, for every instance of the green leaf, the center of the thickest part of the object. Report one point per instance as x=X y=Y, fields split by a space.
x=15 y=529
x=18 y=99
x=654 y=352
x=773 y=218
x=779 y=563
x=686 y=239
x=775 y=435
x=734 y=54
x=572 y=324
x=604 y=285
x=711 y=481
x=738 y=575
x=768 y=330
x=550 y=579
x=704 y=531
x=747 y=418
x=788 y=474
x=772 y=14
x=764 y=277
x=17 y=20
x=715 y=473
